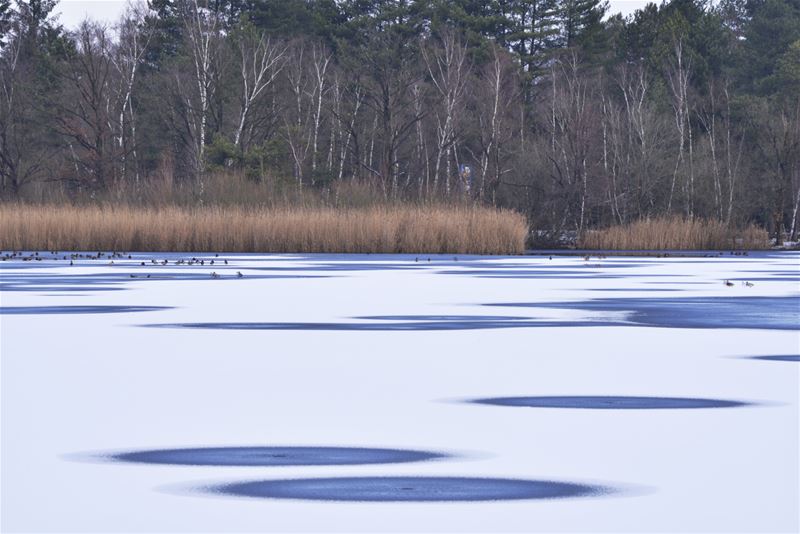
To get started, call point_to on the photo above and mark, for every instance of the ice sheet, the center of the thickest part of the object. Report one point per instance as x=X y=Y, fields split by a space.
x=390 y=353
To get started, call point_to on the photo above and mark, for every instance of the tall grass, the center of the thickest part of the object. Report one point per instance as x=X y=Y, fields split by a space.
x=375 y=229
x=675 y=234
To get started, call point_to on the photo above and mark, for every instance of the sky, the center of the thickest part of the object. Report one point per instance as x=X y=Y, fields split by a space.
x=74 y=11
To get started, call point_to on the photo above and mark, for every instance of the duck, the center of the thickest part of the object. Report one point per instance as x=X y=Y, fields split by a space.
x=239 y=274
x=728 y=283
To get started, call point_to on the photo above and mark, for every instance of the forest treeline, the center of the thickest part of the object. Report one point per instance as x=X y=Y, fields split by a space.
x=551 y=107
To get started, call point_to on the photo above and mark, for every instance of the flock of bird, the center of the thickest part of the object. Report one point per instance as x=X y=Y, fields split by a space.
x=111 y=256
x=744 y=283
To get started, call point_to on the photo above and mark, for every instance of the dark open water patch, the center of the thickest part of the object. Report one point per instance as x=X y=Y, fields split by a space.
x=76 y=283
x=779 y=358
x=275 y=456
x=611 y=403
x=409 y=489
x=768 y=279
x=681 y=282
x=50 y=310
x=634 y=289
x=396 y=323
x=771 y=313
x=533 y=273
x=35 y=288
x=453 y=318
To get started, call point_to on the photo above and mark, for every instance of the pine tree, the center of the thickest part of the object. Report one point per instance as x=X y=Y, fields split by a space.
x=581 y=23
x=774 y=25
x=534 y=32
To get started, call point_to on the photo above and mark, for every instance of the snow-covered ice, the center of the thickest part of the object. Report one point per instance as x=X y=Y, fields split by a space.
x=394 y=393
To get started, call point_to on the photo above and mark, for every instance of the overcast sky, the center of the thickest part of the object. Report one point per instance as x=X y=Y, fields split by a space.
x=74 y=11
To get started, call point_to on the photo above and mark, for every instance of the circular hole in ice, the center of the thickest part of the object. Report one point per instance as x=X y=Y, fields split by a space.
x=779 y=358
x=611 y=403
x=275 y=456
x=409 y=489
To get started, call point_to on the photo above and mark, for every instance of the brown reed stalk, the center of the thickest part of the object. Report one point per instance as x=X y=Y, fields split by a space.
x=373 y=229
x=675 y=233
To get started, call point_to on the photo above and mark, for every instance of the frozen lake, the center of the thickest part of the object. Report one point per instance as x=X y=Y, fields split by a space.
x=401 y=393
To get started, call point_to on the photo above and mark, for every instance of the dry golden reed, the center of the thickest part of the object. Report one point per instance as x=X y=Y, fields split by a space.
x=378 y=229
x=675 y=234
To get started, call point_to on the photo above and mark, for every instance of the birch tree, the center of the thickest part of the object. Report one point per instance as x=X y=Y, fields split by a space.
x=202 y=26
x=261 y=61
x=447 y=68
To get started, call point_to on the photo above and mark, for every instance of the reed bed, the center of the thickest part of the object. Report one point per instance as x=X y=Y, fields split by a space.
x=376 y=229
x=676 y=234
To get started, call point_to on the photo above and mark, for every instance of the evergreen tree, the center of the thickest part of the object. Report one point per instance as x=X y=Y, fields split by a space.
x=534 y=32
x=774 y=25
x=581 y=22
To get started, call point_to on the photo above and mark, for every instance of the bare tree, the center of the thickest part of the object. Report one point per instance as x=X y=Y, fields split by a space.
x=775 y=124
x=348 y=98
x=87 y=114
x=722 y=136
x=637 y=135
x=572 y=119
x=391 y=72
x=261 y=61
x=446 y=63
x=497 y=89
x=678 y=76
x=134 y=39
x=14 y=112
x=201 y=26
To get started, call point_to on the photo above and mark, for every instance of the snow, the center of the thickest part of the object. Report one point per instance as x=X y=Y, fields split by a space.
x=397 y=353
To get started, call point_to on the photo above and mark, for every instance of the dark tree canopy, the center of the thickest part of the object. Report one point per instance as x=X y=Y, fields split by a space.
x=556 y=108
